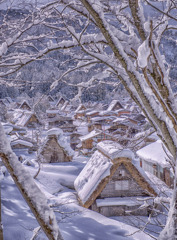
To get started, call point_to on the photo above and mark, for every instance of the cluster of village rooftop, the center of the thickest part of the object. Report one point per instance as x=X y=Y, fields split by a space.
x=114 y=175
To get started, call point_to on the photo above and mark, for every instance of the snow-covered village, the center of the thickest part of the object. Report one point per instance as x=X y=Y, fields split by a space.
x=88 y=120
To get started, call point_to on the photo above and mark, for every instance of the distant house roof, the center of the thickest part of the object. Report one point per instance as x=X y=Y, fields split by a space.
x=92 y=112
x=64 y=106
x=92 y=134
x=4 y=102
x=50 y=98
x=80 y=107
x=25 y=103
x=60 y=101
x=9 y=99
x=155 y=153
x=61 y=139
x=134 y=109
x=23 y=120
x=17 y=115
x=21 y=142
x=101 y=167
x=52 y=111
x=113 y=104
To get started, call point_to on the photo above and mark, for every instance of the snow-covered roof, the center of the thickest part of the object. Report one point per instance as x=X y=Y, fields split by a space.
x=59 y=101
x=52 y=111
x=114 y=150
x=79 y=108
x=24 y=118
x=7 y=128
x=92 y=134
x=25 y=102
x=119 y=119
x=4 y=101
x=17 y=114
x=64 y=105
x=155 y=153
x=22 y=142
x=62 y=141
x=112 y=104
x=119 y=201
x=9 y=99
x=97 y=168
x=55 y=131
x=50 y=98
x=92 y=112
x=106 y=112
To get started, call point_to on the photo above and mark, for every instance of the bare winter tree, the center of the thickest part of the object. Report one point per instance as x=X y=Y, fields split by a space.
x=118 y=38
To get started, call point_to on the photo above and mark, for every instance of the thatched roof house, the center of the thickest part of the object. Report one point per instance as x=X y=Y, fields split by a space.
x=114 y=105
x=60 y=102
x=55 y=147
x=28 y=119
x=25 y=106
x=110 y=174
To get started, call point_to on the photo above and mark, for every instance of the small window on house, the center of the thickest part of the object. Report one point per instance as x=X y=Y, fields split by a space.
x=122 y=173
x=122 y=185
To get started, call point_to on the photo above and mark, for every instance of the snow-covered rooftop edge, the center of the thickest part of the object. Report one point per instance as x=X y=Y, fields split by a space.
x=114 y=150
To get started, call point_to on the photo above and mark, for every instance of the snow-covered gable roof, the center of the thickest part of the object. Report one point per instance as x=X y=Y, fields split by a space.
x=17 y=114
x=114 y=150
x=25 y=102
x=64 y=105
x=62 y=141
x=52 y=111
x=92 y=112
x=7 y=128
x=25 y=118
x=107 y=112
x=9 y=99
x=92 y=134
x=4 y=102
x=112 y=105
x=120 y=119
x=134 y=109
x=50 y=98
x=97 y=168
x=22 y=142
x=60 y=101
x=155 y=153
x=80 y=107
x=100 y=168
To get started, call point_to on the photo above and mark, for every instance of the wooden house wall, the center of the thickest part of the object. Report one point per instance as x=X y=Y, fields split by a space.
x=122 y=112
x=158 y=171
x=121 y=174
x=94 y=126
x=88 y=144
x=133 y=190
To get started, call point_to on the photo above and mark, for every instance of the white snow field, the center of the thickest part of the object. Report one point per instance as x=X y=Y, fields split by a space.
x=75 y=222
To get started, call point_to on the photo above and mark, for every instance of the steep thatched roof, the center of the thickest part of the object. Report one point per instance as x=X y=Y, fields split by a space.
x=102 y=166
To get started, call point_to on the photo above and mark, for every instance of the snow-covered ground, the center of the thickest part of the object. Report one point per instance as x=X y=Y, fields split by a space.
x=76 y=222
